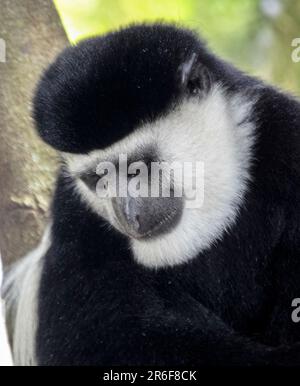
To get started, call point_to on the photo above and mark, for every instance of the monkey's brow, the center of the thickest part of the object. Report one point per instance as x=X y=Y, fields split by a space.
x=145 y=155
x=140 y=154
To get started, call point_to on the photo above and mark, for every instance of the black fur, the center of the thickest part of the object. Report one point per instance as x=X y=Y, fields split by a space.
x=229 y=306
x=99 y=91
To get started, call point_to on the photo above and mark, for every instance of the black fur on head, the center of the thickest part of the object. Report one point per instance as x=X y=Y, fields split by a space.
x=98 y=91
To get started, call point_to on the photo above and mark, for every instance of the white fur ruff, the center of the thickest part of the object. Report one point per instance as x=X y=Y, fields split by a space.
x=214 y=131
x=20 y=290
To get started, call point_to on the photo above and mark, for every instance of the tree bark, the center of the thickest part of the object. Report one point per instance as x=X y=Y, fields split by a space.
x=33 y=35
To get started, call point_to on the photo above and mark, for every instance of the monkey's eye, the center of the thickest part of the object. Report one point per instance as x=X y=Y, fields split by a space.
x=136 y=173
x=104 y=173
x=91 y=178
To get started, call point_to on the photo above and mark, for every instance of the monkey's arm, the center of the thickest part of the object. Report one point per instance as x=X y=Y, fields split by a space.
x=203 y=340
x=98 y=307
x=282 y=328
x=186 y=334
x=93 y=335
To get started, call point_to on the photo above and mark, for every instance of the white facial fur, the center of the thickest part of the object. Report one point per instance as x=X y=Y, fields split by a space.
x=20 y=290
x=213 y=130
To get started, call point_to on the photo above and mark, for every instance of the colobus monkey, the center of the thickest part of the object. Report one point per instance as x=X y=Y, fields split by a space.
x=131 y=280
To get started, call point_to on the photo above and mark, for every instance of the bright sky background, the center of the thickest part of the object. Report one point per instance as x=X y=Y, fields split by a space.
x=255 y=35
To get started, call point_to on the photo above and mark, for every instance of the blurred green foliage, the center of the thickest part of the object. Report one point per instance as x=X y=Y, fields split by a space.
x=256 y=35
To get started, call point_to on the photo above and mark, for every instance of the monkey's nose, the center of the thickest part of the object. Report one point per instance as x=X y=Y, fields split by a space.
x=143 y=217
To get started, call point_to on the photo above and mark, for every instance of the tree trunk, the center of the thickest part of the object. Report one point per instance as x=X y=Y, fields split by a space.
x=33 y=36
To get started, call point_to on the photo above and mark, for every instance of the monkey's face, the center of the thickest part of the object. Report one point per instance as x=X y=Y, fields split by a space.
x=151 y=139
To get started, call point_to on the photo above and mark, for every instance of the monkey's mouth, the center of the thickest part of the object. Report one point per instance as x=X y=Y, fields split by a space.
x=147 y=217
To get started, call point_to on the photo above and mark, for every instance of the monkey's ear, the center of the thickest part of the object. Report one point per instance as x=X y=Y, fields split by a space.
x=195 y=78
